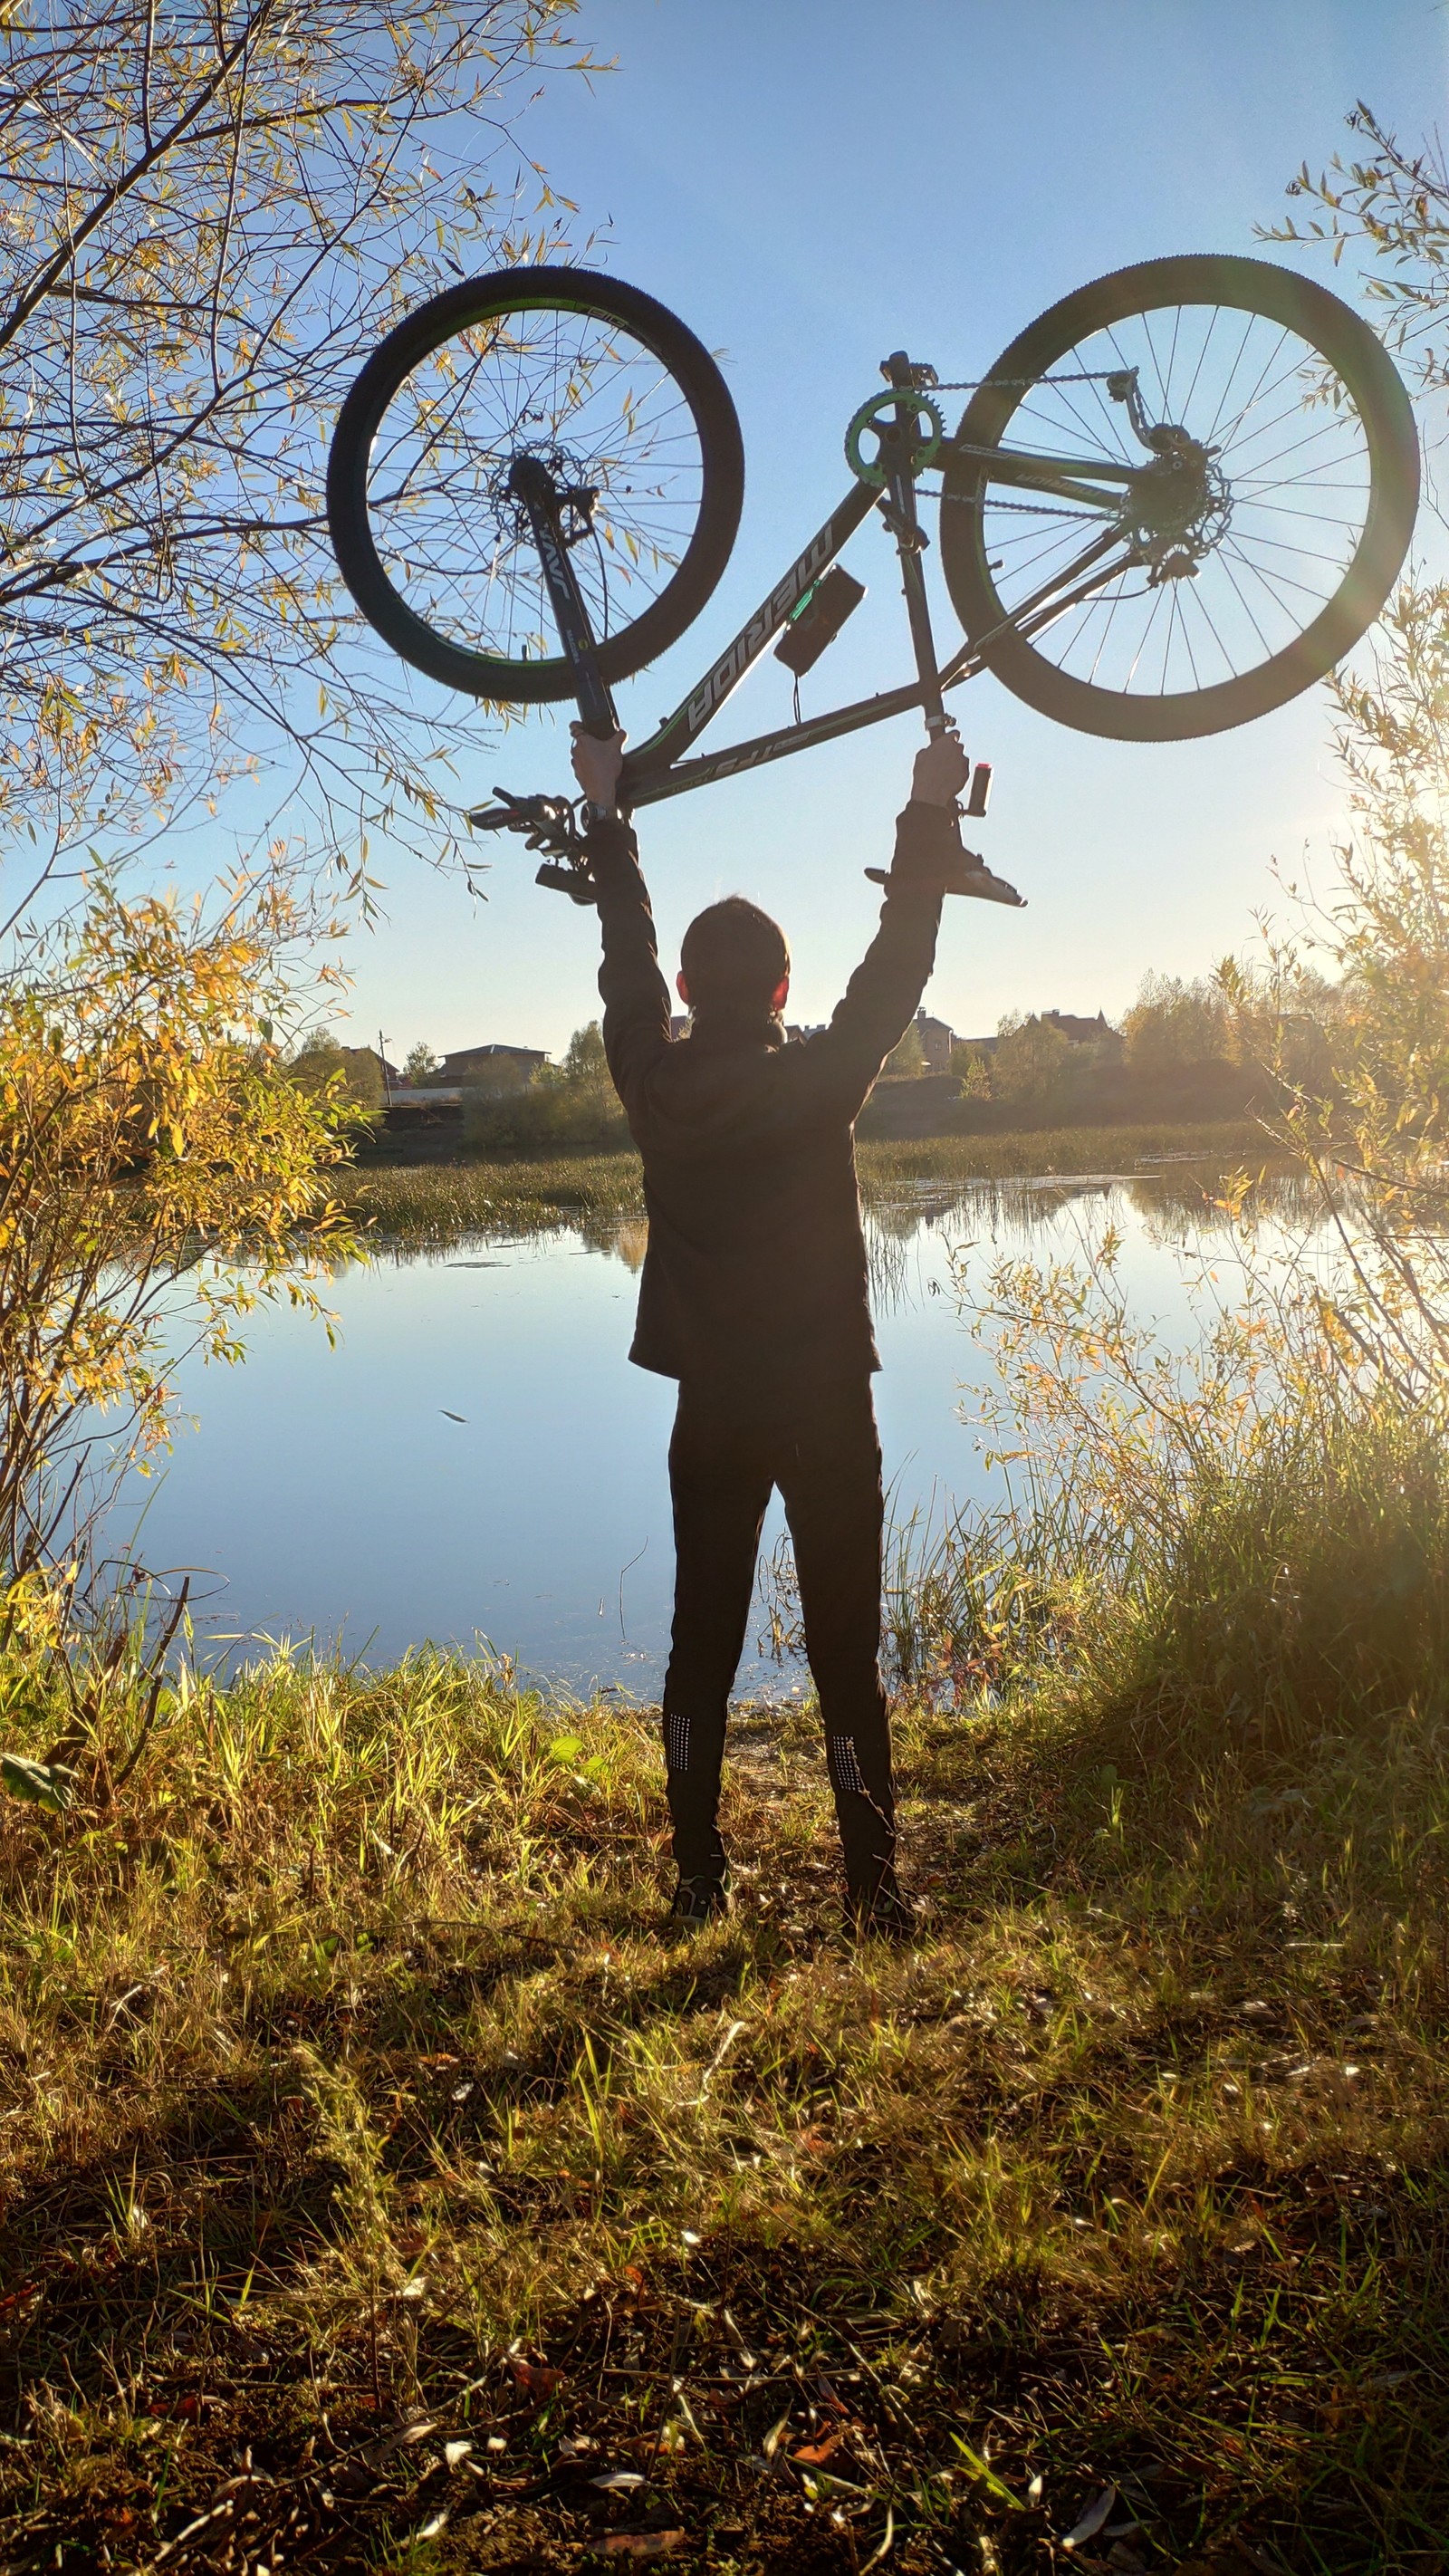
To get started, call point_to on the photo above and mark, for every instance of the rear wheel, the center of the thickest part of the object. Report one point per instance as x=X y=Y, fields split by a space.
x=635 y=424
x=1232 y=485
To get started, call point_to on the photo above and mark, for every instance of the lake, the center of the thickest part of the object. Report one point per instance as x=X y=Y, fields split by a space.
x=477 y=1464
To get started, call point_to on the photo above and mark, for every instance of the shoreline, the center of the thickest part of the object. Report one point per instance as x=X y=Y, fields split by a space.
x=439 y=1201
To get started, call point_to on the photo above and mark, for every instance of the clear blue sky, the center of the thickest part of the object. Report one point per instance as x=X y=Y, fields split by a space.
x=811 y=183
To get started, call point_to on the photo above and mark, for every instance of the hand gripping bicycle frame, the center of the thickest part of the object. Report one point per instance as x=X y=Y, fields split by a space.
x=657 y=770
x=1136 y=475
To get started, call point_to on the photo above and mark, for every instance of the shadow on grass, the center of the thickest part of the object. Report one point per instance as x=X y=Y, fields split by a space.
x=377 y=2182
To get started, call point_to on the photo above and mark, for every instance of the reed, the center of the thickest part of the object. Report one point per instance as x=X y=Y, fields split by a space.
x=446 y=1202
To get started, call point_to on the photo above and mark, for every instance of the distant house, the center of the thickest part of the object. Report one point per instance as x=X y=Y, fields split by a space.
x=388 y=1073
x=937 y=1040
x=1081 y=1031
x=492 y=1067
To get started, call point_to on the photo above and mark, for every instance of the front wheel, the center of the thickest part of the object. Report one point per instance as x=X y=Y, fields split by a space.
x=596 y=382
x=1179 y=498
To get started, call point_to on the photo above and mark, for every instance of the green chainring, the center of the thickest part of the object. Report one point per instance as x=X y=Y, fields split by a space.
x=923 y=452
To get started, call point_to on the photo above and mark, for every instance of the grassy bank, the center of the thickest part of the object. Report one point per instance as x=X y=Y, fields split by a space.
x=439 y=1202
x=376 y=2183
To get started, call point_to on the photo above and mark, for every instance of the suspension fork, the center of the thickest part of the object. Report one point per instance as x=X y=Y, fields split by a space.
x=532 y=484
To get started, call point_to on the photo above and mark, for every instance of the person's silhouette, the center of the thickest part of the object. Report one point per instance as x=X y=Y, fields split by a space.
x=755 y=1297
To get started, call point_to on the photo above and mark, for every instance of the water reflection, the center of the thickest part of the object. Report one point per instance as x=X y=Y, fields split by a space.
x=478 y=1461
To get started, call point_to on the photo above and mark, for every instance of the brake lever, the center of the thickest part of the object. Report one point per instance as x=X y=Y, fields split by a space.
x=547 y=822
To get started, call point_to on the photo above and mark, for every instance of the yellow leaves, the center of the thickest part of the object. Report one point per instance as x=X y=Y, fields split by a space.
x=138 y=1120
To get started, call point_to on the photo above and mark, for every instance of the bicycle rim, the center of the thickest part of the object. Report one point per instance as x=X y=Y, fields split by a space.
x=633 y=420
x=1308 y=498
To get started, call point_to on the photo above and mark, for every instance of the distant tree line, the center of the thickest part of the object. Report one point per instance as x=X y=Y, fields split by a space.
x=1215 y=1044
x=1210 y=1045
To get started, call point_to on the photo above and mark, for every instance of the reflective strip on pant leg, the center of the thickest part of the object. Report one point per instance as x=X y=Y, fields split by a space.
x=844 y=1768
x=676 y=1741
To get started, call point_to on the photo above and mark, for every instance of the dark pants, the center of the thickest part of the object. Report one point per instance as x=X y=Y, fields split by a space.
x=823 y=1452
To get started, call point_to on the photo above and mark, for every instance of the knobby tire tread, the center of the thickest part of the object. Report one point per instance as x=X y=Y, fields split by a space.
x=1340 y=336
x=458 y=308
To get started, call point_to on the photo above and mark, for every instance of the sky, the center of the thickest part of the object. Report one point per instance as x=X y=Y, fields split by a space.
x=810 y=184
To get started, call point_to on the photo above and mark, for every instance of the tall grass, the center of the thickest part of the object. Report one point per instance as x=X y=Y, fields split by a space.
x=372 y=2169
x=427 y=1203
x=377 y=2187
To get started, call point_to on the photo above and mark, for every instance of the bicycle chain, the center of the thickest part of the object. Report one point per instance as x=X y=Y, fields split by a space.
x=974 y=384
x=1028 y=509
x=1013 y=384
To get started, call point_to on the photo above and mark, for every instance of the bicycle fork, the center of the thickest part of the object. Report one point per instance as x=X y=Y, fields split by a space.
x=534 y=486
x=550 y=821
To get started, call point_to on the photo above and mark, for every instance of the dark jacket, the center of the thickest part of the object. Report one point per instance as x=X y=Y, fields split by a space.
x=756 y=1269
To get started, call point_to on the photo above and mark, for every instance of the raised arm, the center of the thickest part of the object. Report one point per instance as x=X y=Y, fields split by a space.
x=634 y=993
x=883 y=994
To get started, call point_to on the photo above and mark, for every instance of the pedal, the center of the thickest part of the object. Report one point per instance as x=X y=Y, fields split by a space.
x=978 y=880
x=973 y=879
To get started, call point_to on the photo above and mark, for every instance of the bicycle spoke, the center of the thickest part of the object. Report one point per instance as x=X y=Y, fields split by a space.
x=605 y=415
x=1295 y=482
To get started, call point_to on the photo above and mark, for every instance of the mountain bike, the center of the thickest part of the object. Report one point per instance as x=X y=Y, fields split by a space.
x=1174 y=502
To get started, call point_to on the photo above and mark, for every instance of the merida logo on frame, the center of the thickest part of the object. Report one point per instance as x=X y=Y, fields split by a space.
x=752 y=639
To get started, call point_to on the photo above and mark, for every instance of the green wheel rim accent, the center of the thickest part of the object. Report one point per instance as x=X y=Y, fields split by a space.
x=868 y=417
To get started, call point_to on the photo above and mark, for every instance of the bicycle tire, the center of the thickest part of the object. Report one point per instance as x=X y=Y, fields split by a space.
x=1338 y=337
x=575 y=291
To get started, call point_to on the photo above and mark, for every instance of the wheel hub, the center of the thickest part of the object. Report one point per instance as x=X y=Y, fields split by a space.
x=573 y=496
x=1178 y=507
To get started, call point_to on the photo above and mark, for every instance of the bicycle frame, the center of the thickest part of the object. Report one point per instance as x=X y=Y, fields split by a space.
x=658 y=769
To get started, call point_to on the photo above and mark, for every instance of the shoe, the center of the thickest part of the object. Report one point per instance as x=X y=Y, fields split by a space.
x=698 y=1901
x=877 y=1911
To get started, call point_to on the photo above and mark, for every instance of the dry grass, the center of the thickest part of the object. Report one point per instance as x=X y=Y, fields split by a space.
x=353 y=2112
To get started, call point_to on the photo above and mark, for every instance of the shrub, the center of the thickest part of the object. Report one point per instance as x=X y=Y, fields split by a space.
x=570 y=1107
x=1172 y=1024
x=1031 y=1062
x=909 y=1057
x=351 y=1074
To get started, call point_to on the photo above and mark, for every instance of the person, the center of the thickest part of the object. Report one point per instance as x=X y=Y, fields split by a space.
x=755 y=1297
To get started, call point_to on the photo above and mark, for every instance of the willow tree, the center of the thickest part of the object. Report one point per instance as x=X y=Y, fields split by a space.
x=212 y=209
x=1377 y=1106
